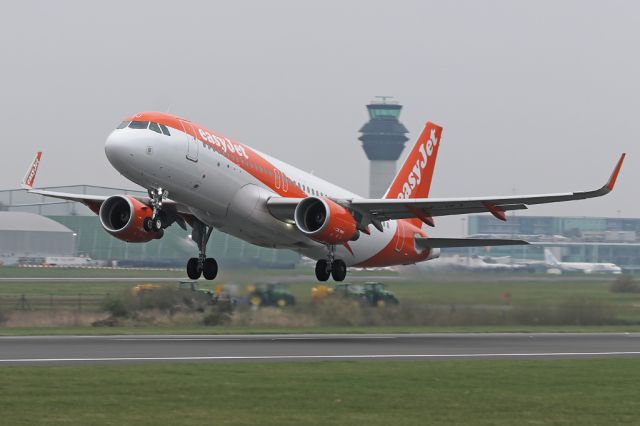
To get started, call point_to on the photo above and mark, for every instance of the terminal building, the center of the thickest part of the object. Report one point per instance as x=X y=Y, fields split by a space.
x=578 y=239
x=38 y=226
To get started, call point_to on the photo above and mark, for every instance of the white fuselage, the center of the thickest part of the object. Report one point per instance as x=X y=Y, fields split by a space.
x=230 y=194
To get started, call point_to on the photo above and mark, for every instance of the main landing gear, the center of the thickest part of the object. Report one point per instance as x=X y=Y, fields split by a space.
x=331 y=267
x=202 y=265
x=196 y=266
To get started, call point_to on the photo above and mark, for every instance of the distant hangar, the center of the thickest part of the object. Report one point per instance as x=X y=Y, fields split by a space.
x=29 y=234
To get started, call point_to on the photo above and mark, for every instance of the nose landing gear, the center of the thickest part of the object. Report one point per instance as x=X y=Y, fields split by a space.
x=158 y=221
x=202 y=265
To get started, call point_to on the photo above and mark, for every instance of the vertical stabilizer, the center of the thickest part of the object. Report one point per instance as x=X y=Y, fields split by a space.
x=413 y=180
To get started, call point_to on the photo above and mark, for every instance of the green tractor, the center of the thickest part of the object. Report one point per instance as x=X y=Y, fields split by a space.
x=371 y=293
x=271 y=295
x=376 y=294
x=351 y=291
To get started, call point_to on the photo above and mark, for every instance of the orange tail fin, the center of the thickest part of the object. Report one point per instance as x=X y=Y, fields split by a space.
x=413 y=180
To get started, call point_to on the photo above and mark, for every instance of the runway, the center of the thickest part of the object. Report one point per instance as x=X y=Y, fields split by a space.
x=305 y=347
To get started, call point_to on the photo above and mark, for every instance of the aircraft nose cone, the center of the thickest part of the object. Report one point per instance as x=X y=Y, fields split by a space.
x=116 y=149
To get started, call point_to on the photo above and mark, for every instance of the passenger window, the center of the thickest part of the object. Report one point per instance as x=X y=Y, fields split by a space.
x=123 y=124
x=139 y=125
x=154 y=126
x=165 y=130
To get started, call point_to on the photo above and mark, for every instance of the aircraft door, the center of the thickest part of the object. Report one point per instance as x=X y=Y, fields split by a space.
x=192 y=142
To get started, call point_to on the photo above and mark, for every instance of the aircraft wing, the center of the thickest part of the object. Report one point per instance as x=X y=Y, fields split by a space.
x=377 y=210
x=94 y=202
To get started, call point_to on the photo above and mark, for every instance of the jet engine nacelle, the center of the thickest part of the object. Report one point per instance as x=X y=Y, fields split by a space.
x=123 y=217
x=325 y=221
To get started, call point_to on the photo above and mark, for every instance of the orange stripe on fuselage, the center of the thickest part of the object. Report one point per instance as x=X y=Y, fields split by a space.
x=239 y=154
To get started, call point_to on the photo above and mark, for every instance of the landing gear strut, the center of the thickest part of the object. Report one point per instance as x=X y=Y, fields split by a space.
x=202 y=265
x=157 y=222
x=331 y=266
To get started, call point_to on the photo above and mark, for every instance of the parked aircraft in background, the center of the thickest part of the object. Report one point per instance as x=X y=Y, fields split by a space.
x=587 y=268
x=198 y=177
x=473 y=264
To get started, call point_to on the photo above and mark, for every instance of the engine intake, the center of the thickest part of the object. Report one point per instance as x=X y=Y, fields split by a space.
x=123 y=217
x=325 y=221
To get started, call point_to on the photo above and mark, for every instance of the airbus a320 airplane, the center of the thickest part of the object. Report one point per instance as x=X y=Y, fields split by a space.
x=198 y=177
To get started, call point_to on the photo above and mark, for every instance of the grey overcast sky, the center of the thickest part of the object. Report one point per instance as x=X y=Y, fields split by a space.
x=538 y=96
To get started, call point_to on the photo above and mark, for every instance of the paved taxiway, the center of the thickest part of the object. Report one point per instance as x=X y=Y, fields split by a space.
x=196 y=348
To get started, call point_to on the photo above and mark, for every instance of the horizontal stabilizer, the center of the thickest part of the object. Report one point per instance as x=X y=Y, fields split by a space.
x=426 y=242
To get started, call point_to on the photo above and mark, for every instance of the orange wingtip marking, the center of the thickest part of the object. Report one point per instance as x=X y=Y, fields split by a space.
x=614 y=175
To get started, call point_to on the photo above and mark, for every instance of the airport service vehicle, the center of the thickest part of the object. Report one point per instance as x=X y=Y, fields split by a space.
x=200 y=178
x=585 y=267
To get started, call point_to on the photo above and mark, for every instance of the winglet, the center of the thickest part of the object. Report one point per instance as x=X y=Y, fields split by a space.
x=612 y=180
x=30 y=177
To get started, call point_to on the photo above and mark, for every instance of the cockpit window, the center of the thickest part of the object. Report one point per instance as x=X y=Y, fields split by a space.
x=154 y=126
x=124 y=124
x=139 y=125
x=165 y=130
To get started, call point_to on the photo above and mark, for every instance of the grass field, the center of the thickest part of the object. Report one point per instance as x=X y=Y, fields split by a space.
x=15 y=272
x=567 y=392
x=456 y=289
x=462 y=293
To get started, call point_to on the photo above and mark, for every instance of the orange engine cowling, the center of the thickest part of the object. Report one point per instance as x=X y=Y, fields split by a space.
x=123 y=217
x=325 y=221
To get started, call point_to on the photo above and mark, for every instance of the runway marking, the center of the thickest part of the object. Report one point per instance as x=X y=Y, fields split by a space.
x=302 y=357
x=250 y=339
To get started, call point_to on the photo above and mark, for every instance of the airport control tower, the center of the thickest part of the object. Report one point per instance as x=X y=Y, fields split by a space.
x=383 y=138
